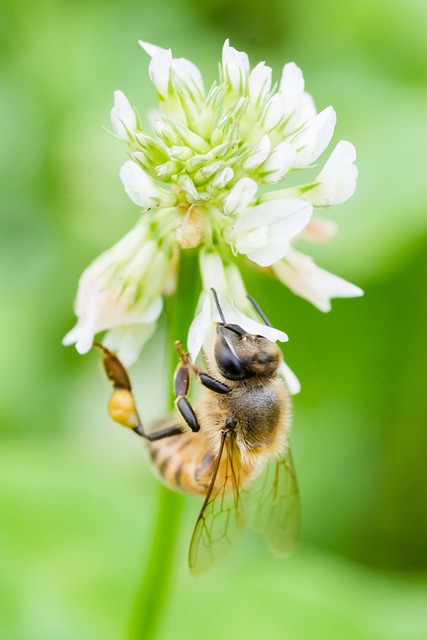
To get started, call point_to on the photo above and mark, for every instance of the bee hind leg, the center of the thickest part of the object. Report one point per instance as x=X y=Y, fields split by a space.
x=121 y=406
x=163 y=433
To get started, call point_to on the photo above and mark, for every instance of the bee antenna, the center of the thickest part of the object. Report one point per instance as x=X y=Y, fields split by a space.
x=218 y=306
x=259 y=311
x=232 y=327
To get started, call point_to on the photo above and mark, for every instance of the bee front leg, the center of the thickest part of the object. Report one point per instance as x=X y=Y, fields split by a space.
x=182 y=385
x=182 y=403
x=204 y=378
x=212 y=384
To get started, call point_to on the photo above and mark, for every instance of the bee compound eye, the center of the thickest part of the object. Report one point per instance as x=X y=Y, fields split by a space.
x=229 y=365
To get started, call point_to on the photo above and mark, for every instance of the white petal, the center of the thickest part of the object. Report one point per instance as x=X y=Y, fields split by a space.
x=337 y=180
x=319 y=230
x=314 y=139
x=131 y=243
x=253 y=327
x=267 y=213
x=200 y=326
x=264 y=232
x=235 y=65
x=258 y=155
x=153 y=311
x=222 y=177
x=239 y=298
x=233 y=315
x=236 y=286
x=151 y=49
x=292 y=224
x=139 y=187
x=280 y=161
x=240 y=195
x=82 y=335
x=212 y=271
x=291 y=87
x=128 y=341
x=160 y=71
x=260 y=82
x=251 y=240
x=270 y=253
x=306 y=279
x=274 y=112
x=84 y=340
x=70 y=337
x=290 y=378
x=307 y=109
x=123 y=119
x=188 y=73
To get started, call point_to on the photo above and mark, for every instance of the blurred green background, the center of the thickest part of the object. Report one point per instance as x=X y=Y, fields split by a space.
x=77 y=501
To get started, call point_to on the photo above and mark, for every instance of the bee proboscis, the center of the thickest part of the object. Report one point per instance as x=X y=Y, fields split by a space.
x=232 y=448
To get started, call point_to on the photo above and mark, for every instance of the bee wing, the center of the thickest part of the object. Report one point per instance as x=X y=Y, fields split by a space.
x=273 y=506
x=220 y=520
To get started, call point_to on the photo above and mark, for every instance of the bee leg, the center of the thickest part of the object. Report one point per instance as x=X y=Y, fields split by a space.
x=204 y=378
x=212 y=384
x=163 y=433
x=182 y=384
x=116 y=373
x=230 y=425
x=121 y=407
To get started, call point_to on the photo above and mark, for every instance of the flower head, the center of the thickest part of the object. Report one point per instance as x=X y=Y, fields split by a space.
x=203 y=178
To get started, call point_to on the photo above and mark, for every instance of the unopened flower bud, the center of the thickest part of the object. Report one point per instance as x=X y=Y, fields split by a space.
x=240 y=196
x=123 y=118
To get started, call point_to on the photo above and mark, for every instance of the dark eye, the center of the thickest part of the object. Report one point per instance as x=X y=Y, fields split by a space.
x=227 y=362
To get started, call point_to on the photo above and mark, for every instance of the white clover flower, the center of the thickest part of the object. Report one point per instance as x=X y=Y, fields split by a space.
x=196 y=177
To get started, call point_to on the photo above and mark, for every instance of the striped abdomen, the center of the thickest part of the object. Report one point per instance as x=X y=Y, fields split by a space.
x=184 y=462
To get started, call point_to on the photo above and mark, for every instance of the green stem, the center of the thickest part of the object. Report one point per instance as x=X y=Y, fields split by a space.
x=155 y=584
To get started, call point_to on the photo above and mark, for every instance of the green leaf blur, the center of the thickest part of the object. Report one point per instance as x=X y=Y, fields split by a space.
x=76 y=496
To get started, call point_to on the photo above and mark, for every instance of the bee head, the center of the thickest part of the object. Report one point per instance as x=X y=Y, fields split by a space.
x=240 y=355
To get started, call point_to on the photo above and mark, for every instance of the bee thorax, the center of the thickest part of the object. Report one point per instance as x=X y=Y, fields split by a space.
x=261 y=415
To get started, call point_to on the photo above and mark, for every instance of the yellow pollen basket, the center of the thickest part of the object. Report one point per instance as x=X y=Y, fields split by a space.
x=121 y=408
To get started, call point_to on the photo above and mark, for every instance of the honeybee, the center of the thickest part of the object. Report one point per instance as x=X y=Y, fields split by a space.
x=232 y=448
